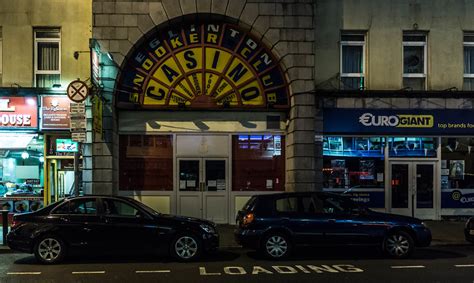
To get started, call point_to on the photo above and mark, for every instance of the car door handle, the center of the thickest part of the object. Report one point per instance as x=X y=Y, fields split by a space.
x=87 y=229
x=332 y=220
x=64 y=219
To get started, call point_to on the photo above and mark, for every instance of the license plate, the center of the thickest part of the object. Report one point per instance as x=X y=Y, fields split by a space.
x=471 y=232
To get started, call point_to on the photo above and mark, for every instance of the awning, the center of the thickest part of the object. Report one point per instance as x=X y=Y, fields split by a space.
x=15 y=141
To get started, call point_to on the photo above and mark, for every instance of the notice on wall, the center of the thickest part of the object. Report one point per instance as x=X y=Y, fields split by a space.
x=379 y=177
x=182 y=184
x=269 y=184
x=445 y=172
x=191 y=183
x=212 y=183
x=220 y=184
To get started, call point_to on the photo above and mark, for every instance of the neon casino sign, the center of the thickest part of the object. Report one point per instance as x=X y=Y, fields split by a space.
x=204 y=65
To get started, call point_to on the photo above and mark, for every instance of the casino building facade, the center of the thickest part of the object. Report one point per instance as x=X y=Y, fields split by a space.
x=210 y=103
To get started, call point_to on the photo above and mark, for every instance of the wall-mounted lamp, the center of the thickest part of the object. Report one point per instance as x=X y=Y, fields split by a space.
x=56 y=85
x=25 y=155
x=76 y=53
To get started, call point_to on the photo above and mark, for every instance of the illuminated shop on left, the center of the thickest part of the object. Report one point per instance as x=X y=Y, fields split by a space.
x=29 y=124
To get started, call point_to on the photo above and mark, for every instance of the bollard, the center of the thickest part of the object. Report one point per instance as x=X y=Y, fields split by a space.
x=5 y=225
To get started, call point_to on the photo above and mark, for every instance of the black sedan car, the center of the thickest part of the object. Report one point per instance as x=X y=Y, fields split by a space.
x=102 y=224
x=469 y=230
x=276 y=223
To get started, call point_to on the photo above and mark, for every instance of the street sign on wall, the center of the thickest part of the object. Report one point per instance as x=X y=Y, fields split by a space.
x=77 y=91
x=78 y=122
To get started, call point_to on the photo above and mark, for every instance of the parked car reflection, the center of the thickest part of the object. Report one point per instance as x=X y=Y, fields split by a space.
x=102 y=224
x=274 y=224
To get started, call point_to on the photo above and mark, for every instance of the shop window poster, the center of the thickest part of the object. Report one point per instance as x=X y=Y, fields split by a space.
x=367 y=169
x=456 y=169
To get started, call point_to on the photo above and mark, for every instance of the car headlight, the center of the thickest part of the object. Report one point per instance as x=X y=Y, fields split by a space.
x=424 y=225
x=207 y=228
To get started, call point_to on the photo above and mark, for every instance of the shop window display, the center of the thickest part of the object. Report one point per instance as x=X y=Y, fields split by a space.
x=457 y=172
x=21 y=172
x=146 y=162
x=355 y=166
x=258 y=163
x=412 y=146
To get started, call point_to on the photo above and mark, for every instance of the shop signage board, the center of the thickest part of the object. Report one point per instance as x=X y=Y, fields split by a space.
x=97 y=109
x=78 y=122
x=202 y=65
x=95 y=63
x=442 y=122
x=18 y=112
x=55 y=112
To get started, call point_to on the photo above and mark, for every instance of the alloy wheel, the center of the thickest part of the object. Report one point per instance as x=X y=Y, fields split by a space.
x=49 y=249
x=276 y=246
x=186 y=247
x=398 y=245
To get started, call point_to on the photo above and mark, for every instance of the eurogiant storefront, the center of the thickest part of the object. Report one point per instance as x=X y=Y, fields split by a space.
x=408 y=161
x=202 y=111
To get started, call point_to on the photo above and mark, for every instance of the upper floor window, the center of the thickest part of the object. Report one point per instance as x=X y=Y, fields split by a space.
x=468 y=61
x=414 y=61
x=352 y=60
x=47 y=57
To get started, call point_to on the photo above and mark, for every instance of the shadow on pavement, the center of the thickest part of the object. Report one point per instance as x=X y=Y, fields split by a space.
x=111 y=259
x=360 y=253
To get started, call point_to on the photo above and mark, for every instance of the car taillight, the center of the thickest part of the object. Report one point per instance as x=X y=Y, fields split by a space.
x=248 y=218
x=15 y=223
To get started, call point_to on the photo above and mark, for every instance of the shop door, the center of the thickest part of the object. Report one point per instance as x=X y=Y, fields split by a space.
x=203 y=188
x=412 y=187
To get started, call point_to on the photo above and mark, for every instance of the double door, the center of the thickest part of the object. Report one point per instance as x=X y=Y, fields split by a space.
x=412 y=187
x=203 y=188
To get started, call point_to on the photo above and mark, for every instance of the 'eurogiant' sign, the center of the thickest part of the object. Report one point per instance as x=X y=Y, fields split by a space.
x=18 y=112
x=202 y=65
x=399 y=122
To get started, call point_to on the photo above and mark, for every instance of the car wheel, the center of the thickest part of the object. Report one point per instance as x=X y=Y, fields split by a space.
x=50 y=249
x=398 y=244
x=276 y=246
x=186 y=247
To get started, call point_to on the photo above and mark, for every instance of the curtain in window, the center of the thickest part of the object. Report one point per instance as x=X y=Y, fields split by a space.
x=352 y=59
x=48 y=56
x=468 y=59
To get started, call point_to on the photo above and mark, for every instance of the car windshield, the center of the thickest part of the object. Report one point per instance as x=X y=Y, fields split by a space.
x=145 y=207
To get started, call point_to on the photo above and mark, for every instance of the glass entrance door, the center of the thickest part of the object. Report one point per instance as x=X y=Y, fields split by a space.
x=412 y=186
x=203 y=188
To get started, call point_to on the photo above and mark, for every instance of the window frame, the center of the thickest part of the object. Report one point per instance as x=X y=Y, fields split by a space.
x=35 y=52
x=343 y=43
x=69 y=202
x=423 y=44
x=467 y=44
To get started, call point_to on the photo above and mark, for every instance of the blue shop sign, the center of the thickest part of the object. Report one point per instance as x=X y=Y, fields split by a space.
x=457 y=198
x=398 y=121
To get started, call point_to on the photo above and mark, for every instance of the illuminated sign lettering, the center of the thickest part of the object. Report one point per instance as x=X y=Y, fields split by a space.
x=205 y=65
x=399 y=121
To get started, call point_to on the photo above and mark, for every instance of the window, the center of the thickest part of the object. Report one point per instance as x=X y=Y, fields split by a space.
x=311 y=205
x=258 y=163
x=62 y=209
x=412 y=147
x=47 y=57
x=83 y=206
x=288 y=204
x=414 y=61
x=146 y=162
x=468 y=61
x=352 y=60
x=353 y=162
x=119 y=208
x=337 y=205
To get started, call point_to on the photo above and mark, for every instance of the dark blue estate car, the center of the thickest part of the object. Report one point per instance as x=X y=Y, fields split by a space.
x=275 y=223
